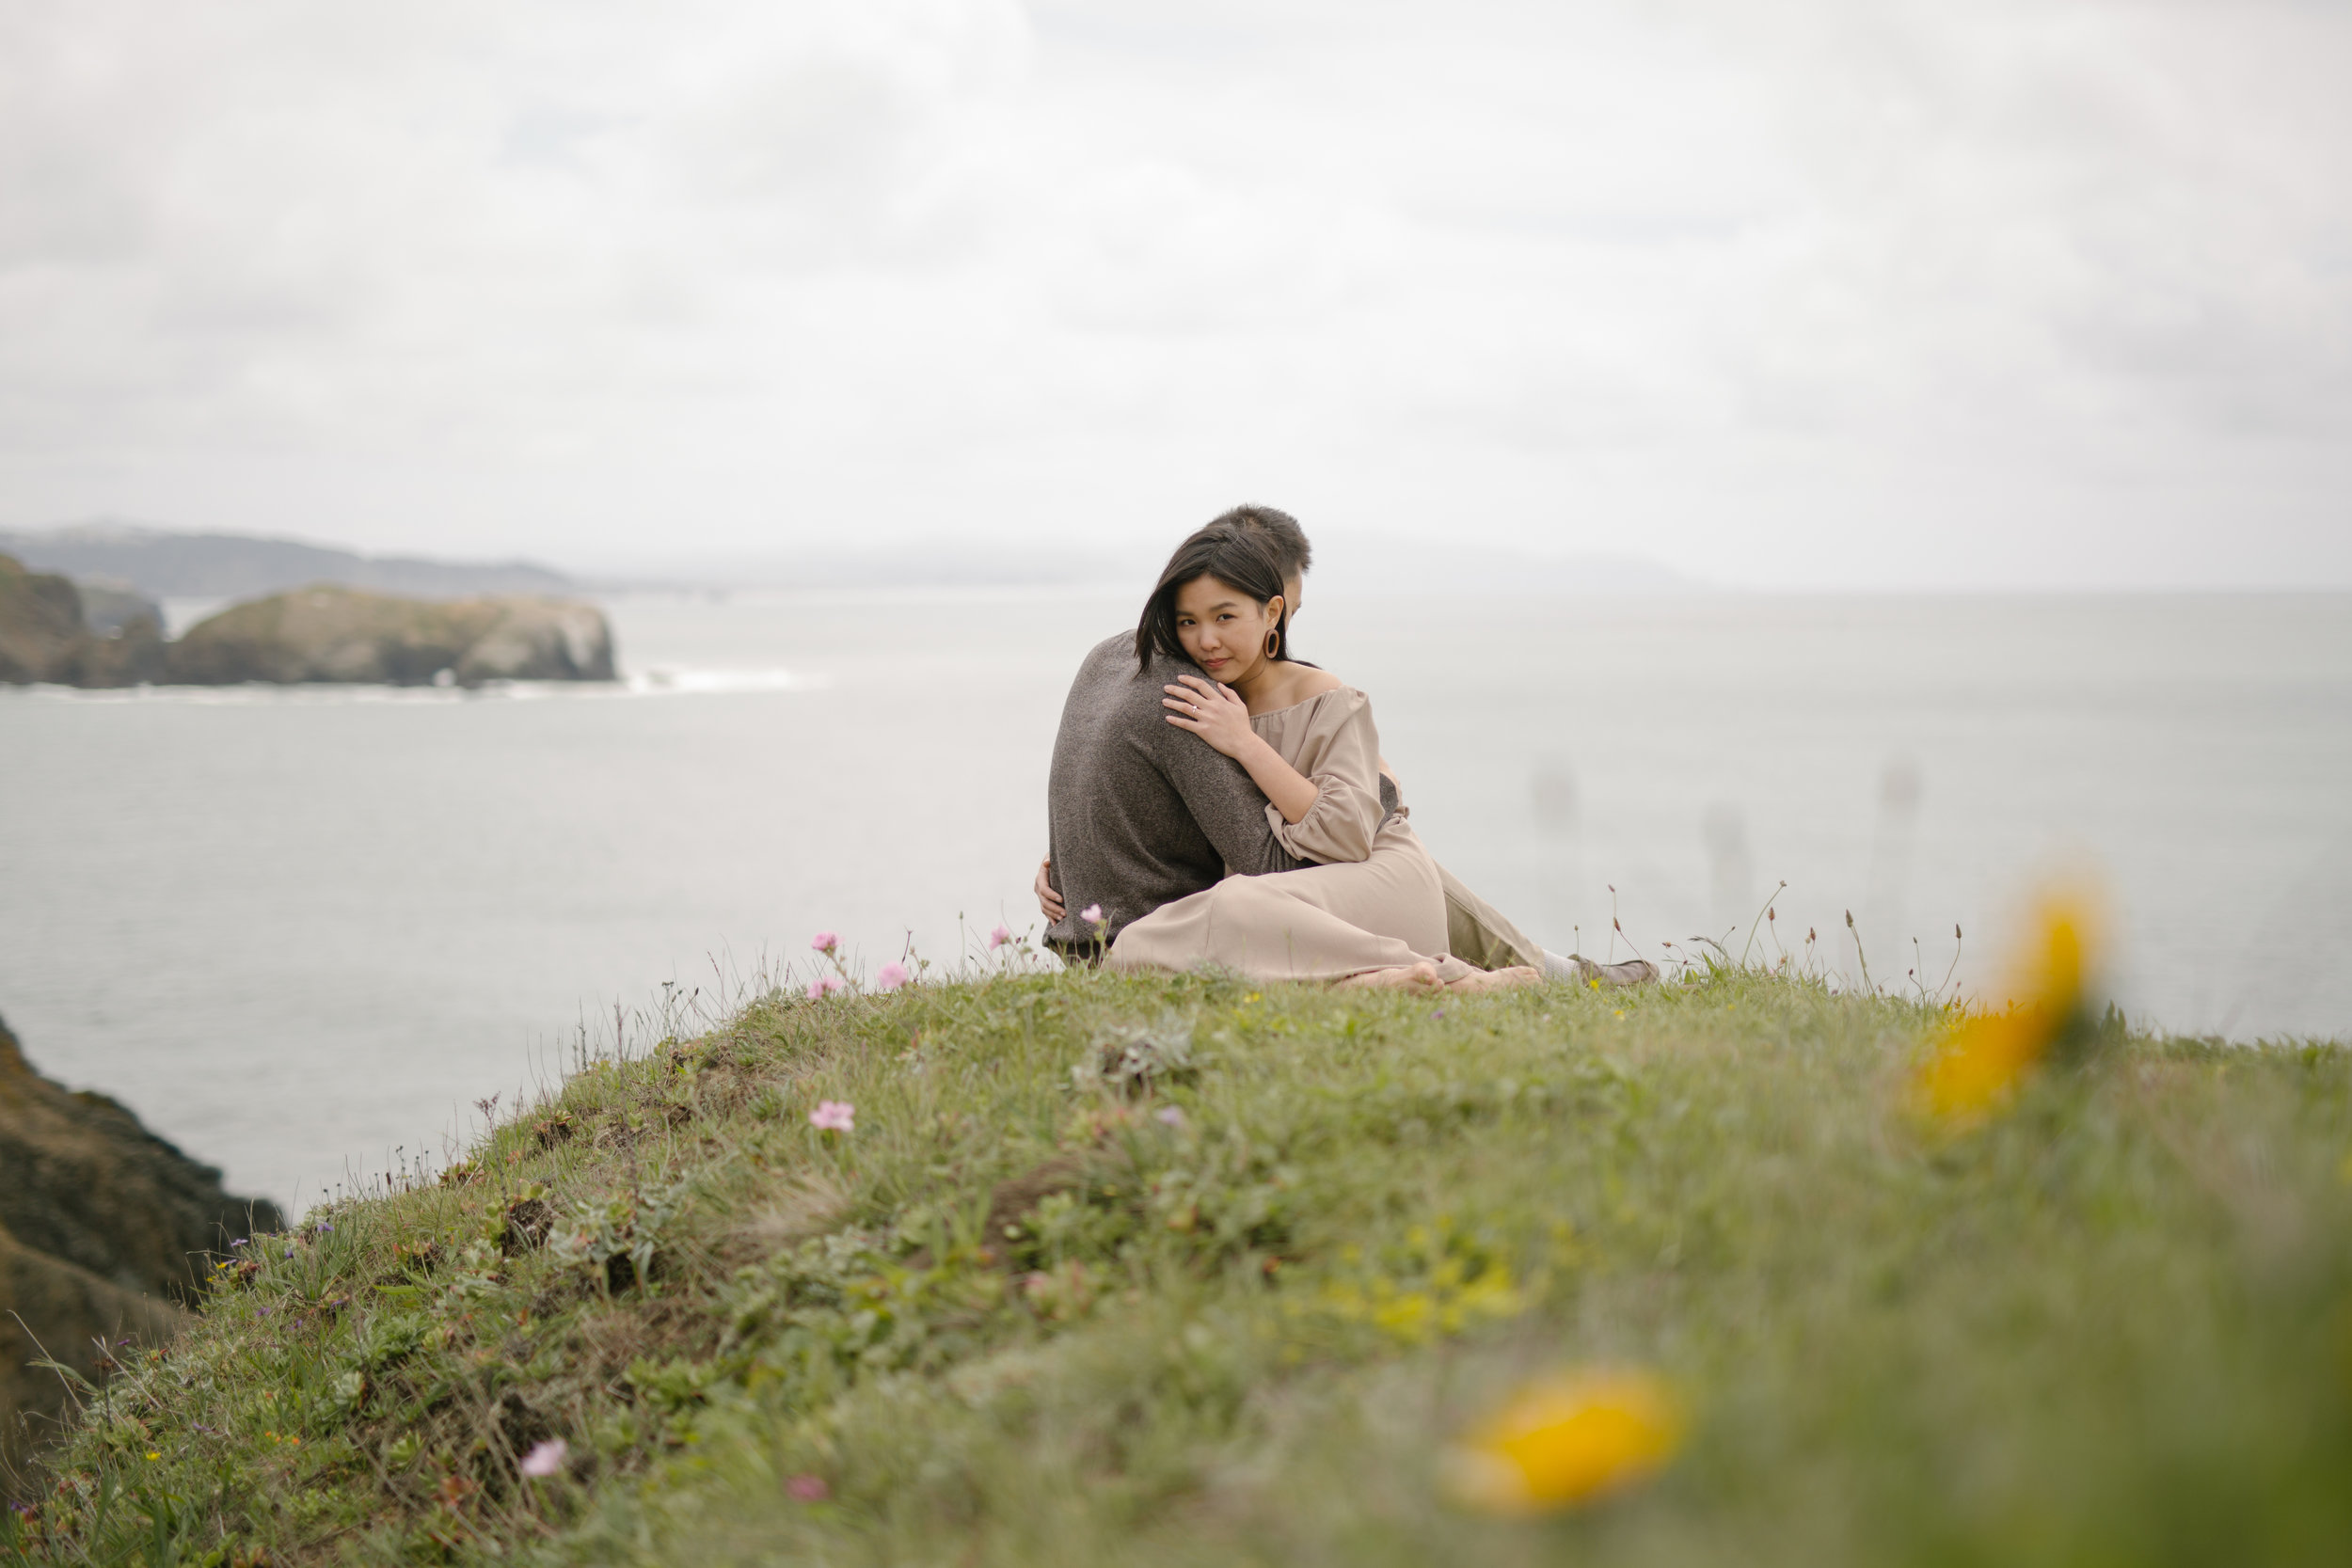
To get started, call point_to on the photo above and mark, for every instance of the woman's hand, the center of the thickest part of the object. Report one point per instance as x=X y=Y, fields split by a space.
x=1218 y=715
x=1214 y=713
x=1048 y=898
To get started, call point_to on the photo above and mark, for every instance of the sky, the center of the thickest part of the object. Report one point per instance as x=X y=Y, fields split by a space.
x=1775 y=294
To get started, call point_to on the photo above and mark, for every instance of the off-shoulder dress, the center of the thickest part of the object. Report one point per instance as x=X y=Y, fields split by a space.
x=1372 y=900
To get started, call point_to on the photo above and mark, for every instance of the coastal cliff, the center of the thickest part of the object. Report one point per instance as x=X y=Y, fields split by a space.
x=103 y=1228
x=328 y=633
x=52 y=630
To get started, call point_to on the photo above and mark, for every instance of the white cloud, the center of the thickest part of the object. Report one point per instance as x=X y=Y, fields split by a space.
x=1819 y=293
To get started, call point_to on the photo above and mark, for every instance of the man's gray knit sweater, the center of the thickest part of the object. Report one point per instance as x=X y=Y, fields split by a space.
x=1139 y=813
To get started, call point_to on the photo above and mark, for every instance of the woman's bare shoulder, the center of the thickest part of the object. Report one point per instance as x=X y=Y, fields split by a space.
x=1311 y=683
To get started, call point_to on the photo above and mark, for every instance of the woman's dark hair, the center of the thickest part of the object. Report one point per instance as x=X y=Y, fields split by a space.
x=1234 y=555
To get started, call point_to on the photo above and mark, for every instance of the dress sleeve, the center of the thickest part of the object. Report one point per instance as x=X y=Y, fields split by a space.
x=1340 y=754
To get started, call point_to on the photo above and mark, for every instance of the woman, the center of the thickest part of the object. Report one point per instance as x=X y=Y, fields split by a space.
x=1371 y=912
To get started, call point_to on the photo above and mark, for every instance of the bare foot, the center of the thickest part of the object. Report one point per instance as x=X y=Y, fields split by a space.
x=1500 y=979
x=1413 y=977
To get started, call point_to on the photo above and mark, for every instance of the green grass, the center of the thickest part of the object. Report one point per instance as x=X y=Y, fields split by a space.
x=1016 y=1316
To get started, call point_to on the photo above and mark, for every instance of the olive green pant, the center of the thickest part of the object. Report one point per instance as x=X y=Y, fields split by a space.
x=1476 y=933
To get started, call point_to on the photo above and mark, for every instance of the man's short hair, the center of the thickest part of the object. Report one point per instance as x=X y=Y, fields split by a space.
x=1279 y=531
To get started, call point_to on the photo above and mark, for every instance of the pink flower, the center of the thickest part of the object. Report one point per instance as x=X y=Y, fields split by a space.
x=824 y=942
x=545 y=1460
x=1091 y=914
x=890 y=976
x=833 y=1115
x=824 y=985
x=808 y=1489
x=997 y=938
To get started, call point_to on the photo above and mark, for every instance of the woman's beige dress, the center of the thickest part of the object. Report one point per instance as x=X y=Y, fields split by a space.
x=1372 y=900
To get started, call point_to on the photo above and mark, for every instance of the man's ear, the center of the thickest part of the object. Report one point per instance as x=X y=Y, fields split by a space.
x=1294 y=589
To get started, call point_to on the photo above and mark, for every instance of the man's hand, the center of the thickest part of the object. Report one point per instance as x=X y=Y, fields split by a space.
x=1214 y=713
x=1047 y=899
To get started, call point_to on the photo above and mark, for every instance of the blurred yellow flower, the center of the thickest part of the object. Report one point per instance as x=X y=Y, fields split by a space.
x=1565 y=1440
x=1986 y=1054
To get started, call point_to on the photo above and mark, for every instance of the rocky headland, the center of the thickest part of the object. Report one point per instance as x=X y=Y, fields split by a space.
x=54 y=629
x=342 y=634
x=106 y=1230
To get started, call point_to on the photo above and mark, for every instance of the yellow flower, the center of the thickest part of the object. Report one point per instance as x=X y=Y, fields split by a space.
x=1566 y=1440
x=1985 y=1056
x=152 y=1454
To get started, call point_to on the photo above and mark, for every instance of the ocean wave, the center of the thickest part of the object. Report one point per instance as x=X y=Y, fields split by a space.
x=666 y=682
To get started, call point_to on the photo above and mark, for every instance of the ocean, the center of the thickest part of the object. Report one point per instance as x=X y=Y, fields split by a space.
x=303 y=932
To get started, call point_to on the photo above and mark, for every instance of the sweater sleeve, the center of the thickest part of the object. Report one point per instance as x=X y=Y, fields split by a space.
x=1340 y=754
x=1224 y=800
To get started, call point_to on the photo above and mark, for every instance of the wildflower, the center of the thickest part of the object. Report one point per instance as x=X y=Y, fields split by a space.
x=890 y=976
x=1091 y=914
x=1566 y=1440
x=238 y=1242
x=824 y=985
x=1987 y=1054
x=824 y=942
x=545 y=1460
x=152 y=1454
x=808 y=1489
x=1169 y=1115
x=833 y=1115
x=997 y=938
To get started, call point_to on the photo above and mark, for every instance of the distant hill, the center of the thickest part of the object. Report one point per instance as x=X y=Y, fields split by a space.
x=1346 y=563
x=229 y=566
x=1373 y=564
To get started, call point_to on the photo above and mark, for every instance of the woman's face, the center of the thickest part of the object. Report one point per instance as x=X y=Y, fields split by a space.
x=1224 y=630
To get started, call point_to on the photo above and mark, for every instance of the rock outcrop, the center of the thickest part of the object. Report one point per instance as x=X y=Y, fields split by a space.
x=327 y=633
x=52 y=629
x=46 y=635
x=105 y=1232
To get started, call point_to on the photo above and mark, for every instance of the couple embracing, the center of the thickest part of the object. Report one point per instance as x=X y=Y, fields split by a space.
x=1216 y=800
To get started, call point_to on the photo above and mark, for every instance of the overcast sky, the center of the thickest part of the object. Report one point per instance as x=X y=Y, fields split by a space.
x=1837 y=292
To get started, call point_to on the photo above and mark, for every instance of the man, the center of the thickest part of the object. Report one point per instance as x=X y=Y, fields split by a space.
x=1147 y=819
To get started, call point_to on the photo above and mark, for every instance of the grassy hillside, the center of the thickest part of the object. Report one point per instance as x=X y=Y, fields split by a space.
x=1184 y=1271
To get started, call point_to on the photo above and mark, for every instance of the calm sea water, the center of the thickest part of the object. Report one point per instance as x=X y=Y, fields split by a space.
x=301 y=933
